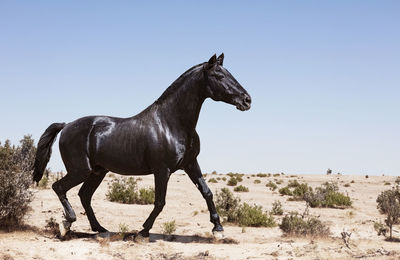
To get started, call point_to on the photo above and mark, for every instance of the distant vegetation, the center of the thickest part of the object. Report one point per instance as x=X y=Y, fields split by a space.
x=213 y=180
x=272 y=186
x=241 y=188
x=232 y=181
x=125 y=190
x=327 y=195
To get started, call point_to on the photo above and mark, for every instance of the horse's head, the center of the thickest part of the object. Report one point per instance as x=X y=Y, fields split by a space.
x=222 y=86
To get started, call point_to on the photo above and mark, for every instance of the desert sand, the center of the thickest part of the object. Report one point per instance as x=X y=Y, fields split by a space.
x=193 y=238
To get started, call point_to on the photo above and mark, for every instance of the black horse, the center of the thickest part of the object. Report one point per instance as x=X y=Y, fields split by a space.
x=159 y=140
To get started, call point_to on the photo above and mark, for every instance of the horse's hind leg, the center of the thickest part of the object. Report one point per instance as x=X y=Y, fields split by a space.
x=61 y=187
x=86 y=192
x=161 y=178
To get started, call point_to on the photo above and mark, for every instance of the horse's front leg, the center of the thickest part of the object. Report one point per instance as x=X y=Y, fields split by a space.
x=194 y=172
x=161 y=178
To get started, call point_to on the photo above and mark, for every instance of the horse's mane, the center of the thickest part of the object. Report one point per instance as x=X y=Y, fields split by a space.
x=173 y=88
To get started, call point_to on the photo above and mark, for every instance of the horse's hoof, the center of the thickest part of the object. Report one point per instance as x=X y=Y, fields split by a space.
x=218 y=228
x=218 y=234
x=65 y=226
x=129 y=237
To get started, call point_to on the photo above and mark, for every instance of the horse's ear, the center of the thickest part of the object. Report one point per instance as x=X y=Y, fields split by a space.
x=211 y=62
x=220 y=59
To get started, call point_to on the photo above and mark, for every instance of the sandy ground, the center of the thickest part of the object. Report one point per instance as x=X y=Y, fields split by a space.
x=193 y=238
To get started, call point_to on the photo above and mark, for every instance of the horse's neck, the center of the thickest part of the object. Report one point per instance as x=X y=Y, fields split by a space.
x=181 y=109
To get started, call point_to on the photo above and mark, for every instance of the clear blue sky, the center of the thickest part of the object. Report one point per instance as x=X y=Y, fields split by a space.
x=324 y=76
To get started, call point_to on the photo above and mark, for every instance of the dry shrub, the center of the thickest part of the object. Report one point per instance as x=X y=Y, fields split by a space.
x=15 y=179
x=295 y=224
x=169 y=227
x=389 y=204
x=277 y=208
x=52 y=227
x=257 y=181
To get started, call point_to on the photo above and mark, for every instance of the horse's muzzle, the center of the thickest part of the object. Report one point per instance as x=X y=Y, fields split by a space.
x=244 y=104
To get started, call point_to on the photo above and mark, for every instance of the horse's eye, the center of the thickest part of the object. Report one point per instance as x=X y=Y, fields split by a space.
x=219 y=77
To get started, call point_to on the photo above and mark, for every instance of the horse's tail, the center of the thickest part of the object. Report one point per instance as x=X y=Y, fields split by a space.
x=43 y=151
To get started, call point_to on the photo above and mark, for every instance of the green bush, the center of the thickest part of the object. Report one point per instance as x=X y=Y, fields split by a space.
x=232 y=181
x=272 y=186
x=327 y=196
x=227 y=205
x=285 y=191
x=213 y=180
x=300 y=191
x=169 y=227
x=241 y=188
x=262 y=175
x=336 y=199
x=224 y=178
x=16 y=163
x=125 y=191
x=253 y=216
x=293 y=184
x=277 y=208
x=297 y=225
x=146 y=196
x=257 y=181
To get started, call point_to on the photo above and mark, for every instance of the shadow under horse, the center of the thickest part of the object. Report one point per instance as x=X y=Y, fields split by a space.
x=159 y=140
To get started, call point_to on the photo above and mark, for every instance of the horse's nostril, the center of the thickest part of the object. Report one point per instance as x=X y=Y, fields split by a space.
x=247 y=99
